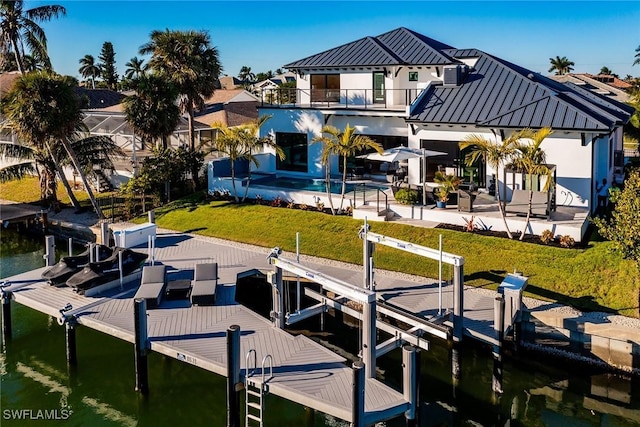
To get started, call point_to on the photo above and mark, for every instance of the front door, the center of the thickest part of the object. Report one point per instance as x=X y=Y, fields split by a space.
x=378 y=88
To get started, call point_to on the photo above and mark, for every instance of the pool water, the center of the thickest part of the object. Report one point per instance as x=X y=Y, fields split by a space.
x=309 y=184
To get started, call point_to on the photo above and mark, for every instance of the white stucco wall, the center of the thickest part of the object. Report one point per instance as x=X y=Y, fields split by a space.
x=565 y=150
x=308 y=122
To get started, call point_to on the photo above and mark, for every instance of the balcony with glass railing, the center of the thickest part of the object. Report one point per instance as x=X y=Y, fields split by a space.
x=356 y=99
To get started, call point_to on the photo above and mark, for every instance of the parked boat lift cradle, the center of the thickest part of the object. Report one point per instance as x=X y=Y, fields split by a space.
x=290 y=368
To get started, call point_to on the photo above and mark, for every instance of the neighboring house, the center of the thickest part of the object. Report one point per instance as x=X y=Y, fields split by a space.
x=604 y=84
x=403 y=88
x=229 y=107
x=230 y=82
x=269 y=90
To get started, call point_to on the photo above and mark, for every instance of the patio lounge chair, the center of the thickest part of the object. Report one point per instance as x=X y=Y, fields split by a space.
x=519 y=203
x=152 y=285
x=203 y=286
x=465 y=200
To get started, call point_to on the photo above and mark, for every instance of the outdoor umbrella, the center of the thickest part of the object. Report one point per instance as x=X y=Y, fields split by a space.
x=397 y=154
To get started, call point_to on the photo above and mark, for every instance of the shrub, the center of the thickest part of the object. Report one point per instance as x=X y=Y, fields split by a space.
x=276 y=202
x=320 y=206
x=547 y=237
x=303 y=207
x=407 y=196
x=291 y=204
x=567 y=241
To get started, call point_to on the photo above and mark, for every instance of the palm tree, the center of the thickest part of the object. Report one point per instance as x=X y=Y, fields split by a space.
x=152 y=110
x=606 y=71
x=245 y=74
x=495 y=155
x=187 y=59
x=241 y=143
x=531 y=159
x=346 y=144
x=43 y=110
x=89 y=69
x=637 y=56
x=135 y=68
x=561 y=65
x=19 y=28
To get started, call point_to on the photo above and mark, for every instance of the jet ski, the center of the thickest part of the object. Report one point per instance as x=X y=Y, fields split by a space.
x=98 y=273
x=69 y=265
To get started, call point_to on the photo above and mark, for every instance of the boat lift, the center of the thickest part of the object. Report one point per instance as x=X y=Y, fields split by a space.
x=370 y=239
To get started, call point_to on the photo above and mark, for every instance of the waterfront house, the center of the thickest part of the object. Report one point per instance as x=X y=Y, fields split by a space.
x=403 y=88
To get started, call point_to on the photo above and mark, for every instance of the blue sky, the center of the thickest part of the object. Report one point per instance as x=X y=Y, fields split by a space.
x=268 y=34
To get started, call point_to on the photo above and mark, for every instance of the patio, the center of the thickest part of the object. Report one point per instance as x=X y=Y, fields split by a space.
x=565 y=220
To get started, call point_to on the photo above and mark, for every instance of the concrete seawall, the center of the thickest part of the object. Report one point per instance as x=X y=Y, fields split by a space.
x=589 y=338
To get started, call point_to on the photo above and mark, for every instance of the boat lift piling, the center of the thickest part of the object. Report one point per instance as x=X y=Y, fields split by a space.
x=498 y=324
x=70 y=246
x=50 y=251
x=70 y=339
x=410 y=382
x=357 y=393
x=104 y=233
x=141 y=345
x=6 y=316
x=234 y=385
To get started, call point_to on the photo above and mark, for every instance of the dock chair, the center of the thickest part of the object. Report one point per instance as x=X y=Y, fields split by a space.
x=152 y=284
x=203 y=286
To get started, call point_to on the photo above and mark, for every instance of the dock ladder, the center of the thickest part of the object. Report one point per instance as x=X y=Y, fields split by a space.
x=255 y=391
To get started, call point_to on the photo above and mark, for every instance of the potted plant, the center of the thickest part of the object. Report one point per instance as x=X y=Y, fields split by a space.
x=447 y=184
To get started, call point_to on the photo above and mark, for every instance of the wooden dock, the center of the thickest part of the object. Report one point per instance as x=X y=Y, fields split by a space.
x=17 y=212
x=303 y=371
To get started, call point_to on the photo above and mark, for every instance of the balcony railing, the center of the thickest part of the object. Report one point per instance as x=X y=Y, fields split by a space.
x=386 y=99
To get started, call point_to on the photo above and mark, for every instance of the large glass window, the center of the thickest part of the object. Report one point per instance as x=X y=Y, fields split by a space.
x=375 y=167
x=294 y=146
x=452 y=162
x=325 y=88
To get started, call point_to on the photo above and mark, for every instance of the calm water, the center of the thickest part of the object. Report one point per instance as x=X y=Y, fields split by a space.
x=99 y=392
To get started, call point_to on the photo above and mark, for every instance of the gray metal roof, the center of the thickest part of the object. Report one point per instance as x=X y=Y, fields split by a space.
x=497 y=93
x=397 y=47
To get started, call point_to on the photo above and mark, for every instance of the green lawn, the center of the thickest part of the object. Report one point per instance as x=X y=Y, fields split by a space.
x=27 y=190
x=590 y=279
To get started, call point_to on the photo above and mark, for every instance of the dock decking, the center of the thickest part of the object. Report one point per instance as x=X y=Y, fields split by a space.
x=303 y=371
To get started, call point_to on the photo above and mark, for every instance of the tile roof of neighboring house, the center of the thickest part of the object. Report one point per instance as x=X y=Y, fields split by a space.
x=594 y=83
x=99 y=98
x=397 y=47
x=497 y=93
x=230 y=82
x=7 y=80
x=229 y=107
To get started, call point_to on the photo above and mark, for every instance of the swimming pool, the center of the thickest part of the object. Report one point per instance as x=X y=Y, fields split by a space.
x=308 y=184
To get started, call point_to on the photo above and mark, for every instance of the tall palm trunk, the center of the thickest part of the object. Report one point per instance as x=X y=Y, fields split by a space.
x=48 y=187
x=16 y=52
x=246 y=191
x=233 y=181
x=344 y=182
x=63 y=179
x=526 y=223
x=76 y=165
x=328 y=181
x=500 y=208
x=192 y=145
